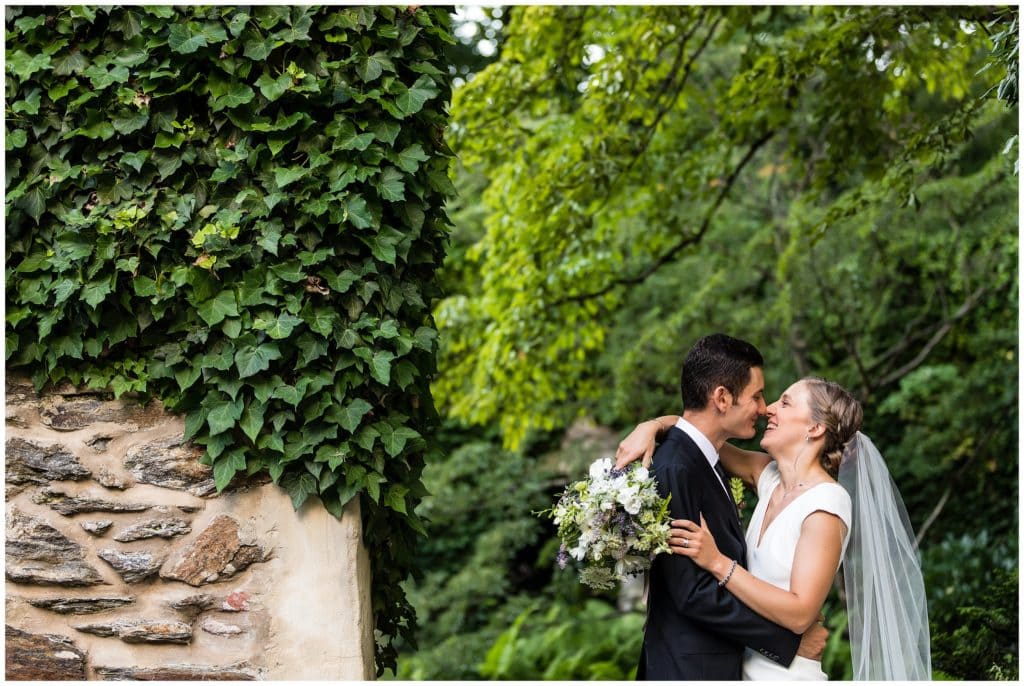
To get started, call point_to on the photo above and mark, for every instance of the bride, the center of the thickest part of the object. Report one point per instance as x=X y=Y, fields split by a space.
x=804 y=523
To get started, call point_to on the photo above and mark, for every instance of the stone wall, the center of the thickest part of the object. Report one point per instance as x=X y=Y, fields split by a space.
x=123 y=563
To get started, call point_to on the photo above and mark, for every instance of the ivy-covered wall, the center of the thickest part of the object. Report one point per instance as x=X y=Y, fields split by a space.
x=240 y=211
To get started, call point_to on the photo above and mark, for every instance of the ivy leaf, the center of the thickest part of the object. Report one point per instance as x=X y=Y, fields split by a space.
x=272 y=88
x=409 y=159
x=340 y=283
x=33 y=202
x=252 y=419
x=425 y=338
x=259 y=50
x=253 y=359
x=390 y=185
x=286 y=175
x=23 y=65
x=380 y=366
x=394 y=498
x=412 y=100
x=94 y=292
x=237 y=94
x=358 y=213
x=300 y=488
x=185 y=37
x=187 y=375
x=130 y=122
x=214 y=310
x=290 y=271
x=382 y=250
x=280 y=327
x=194 y=421
x=353 y=413
x=396 y=440
x=225 y=468
x=374 y=66
x=320 y=319
x=223 y=415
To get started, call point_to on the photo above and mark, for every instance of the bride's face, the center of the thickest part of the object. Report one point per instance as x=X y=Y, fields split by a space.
x=789 y=420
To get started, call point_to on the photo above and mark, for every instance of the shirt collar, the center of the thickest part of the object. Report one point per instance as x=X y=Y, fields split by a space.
x=702 y=441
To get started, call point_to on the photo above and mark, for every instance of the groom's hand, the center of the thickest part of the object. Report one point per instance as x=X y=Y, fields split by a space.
x=812 y=643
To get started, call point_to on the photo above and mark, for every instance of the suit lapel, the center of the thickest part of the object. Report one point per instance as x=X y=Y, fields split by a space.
x=714 y=484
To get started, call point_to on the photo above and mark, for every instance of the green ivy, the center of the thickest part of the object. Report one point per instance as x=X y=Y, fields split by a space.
x=241 y=211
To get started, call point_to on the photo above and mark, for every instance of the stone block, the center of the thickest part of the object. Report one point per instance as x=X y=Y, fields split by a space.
x=239 y=671
x=216 y=553
x=75 y=413
x=37 y=553
x=74 y=504
x=170 y=463
x=81 y=606
x=141 y=630
x=97 y=527
x=132 y=566
x=162 y=527
x=217 y=628
x=33 y=462
x=42 y=657
x=108 y=479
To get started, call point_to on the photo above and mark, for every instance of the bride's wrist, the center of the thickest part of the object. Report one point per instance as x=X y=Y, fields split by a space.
x=720 y=567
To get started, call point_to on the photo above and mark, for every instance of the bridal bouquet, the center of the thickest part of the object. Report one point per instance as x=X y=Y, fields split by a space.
x=613 y=523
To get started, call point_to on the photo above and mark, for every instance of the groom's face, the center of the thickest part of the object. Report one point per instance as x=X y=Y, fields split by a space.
x=740 y=420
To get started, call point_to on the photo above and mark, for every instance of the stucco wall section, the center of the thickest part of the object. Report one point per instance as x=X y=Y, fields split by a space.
x=122 y=562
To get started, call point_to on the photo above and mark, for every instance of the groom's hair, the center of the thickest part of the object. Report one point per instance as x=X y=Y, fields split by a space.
x=713 y=361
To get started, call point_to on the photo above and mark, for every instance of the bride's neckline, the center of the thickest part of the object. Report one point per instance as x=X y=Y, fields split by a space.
x=765 y=524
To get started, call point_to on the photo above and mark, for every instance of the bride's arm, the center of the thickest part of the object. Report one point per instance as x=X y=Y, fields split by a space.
x=746 y=464
x=640 y=441
x=814 y=567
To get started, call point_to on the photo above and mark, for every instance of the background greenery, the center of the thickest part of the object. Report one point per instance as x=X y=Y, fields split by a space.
x=837 y=185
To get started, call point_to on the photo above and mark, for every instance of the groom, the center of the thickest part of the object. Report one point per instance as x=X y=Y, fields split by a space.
x=696 y=629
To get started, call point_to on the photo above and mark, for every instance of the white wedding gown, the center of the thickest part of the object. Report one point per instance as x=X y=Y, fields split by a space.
x=772 y=560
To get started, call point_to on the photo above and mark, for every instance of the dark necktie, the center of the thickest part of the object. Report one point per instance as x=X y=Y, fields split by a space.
x=721 y=474
x=725 y=481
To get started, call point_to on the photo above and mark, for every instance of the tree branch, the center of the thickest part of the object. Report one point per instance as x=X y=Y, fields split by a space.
x=692 y=239
x=936 y=338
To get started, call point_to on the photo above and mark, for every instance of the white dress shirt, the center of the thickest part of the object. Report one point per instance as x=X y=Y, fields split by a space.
x=706 y=447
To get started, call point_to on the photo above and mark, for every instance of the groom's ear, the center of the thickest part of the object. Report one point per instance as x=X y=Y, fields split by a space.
x=721 y=398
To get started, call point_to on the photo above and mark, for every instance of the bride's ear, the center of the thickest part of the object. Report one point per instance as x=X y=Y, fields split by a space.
x=816 y=431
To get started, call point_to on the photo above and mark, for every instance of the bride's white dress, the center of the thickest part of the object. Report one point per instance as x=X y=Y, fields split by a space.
x=772 y=559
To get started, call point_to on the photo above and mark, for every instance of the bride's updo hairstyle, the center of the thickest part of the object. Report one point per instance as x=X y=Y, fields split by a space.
x=839 y=412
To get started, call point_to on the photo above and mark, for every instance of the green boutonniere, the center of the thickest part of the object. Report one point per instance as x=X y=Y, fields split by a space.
x=738 y=491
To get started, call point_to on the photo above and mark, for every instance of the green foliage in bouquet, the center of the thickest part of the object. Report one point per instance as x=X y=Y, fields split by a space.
x=241 y=211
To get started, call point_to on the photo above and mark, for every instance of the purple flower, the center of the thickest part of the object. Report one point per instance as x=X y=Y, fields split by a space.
x=563 y=557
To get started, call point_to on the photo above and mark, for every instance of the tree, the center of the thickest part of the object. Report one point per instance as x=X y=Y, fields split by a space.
x=614 y=138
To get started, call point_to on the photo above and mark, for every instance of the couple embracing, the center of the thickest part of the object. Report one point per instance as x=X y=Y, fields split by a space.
x=728 y=605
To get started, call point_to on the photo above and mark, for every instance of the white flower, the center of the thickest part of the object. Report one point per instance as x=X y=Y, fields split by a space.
x=600 y=468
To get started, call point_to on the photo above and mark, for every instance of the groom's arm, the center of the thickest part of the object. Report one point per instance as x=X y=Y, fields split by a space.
x=695 y=593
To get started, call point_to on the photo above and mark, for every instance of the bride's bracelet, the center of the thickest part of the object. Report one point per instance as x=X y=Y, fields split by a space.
x=728 y=576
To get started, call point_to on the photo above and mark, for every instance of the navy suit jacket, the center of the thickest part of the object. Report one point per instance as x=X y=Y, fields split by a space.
x=696 y=630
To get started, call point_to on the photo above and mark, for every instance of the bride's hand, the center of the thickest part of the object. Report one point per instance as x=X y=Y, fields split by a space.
x=693 y=541
x=639 y=443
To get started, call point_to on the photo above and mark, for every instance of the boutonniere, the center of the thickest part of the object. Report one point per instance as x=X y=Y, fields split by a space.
x=738 y=491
